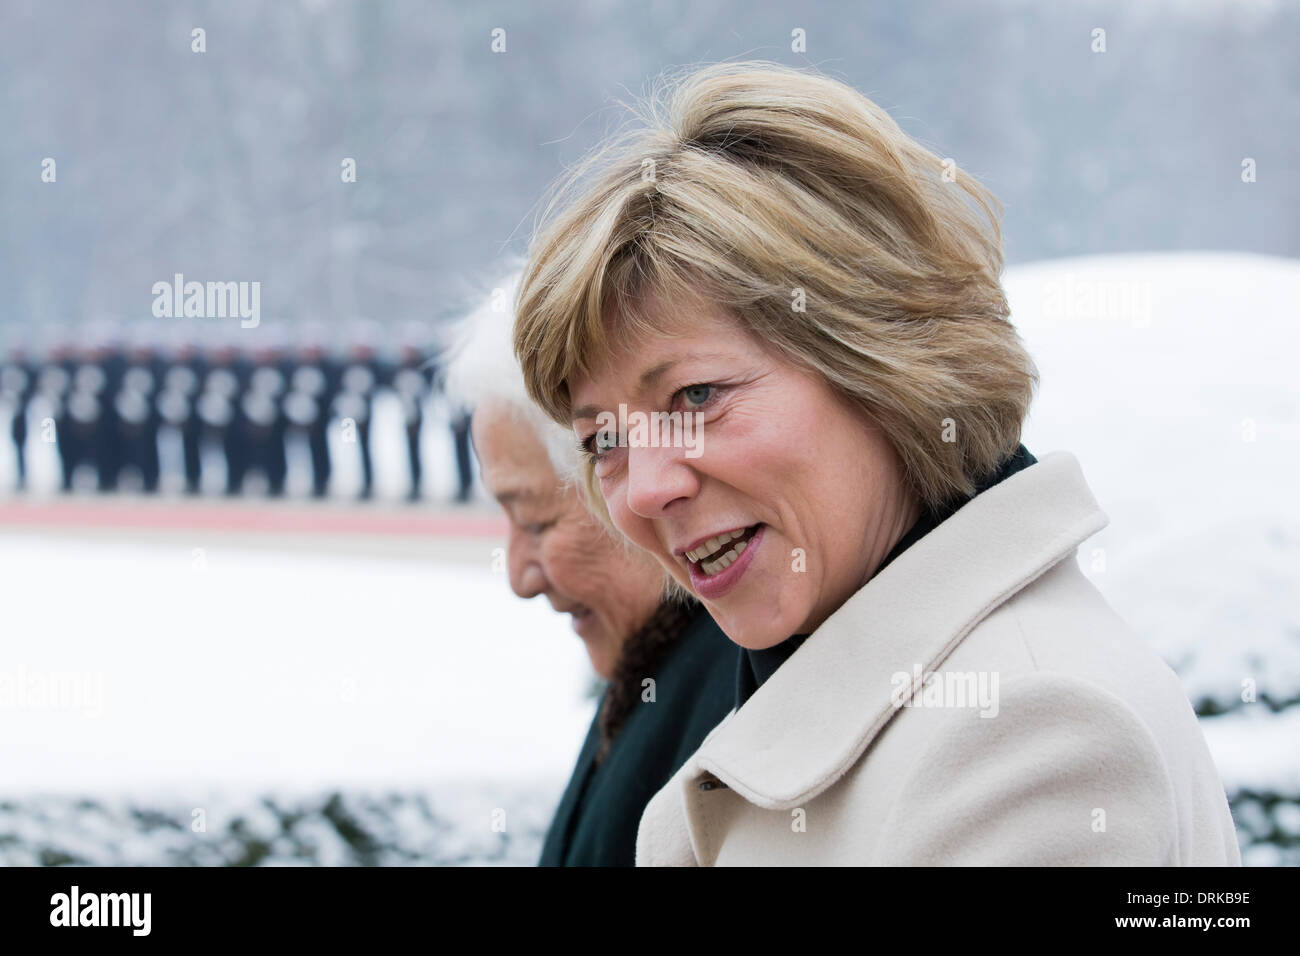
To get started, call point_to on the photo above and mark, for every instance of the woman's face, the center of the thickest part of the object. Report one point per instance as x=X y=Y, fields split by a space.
x=556 y=547
x=784 y=508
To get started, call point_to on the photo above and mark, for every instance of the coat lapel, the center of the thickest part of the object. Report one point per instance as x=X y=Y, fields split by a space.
x=812 y=720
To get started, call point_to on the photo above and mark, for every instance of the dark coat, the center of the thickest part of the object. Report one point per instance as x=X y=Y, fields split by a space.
x=596 y=821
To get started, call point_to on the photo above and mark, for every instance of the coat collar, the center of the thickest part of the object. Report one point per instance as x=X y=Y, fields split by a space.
x=812 y=719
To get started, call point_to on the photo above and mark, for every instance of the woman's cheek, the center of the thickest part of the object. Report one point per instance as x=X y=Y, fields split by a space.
x=615 y=504
x=610 y=463
x=638 y=530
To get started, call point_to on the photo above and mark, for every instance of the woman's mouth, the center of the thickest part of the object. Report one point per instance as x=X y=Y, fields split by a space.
x=718 y=564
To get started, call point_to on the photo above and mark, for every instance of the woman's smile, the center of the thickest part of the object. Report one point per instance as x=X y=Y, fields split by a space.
x=717 y=566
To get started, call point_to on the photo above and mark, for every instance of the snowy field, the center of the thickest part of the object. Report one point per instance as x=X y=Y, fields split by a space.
x=348 y=708
x=1173 y=379
x=196 y=676
x=1186 y=422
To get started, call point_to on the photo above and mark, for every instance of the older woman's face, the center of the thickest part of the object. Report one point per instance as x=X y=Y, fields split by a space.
x=556 y=547
x=813 y=491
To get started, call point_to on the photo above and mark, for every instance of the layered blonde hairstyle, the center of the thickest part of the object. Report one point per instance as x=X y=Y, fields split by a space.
x=802 y=209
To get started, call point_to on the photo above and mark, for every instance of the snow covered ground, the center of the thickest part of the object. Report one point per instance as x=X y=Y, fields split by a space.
x=1185 y=417
x=229 y=674
x=207 y=665
x=1173 y=379
x=391 y=710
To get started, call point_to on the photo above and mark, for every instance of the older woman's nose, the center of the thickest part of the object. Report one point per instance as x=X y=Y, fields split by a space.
x=656 y=478
x=523 y=563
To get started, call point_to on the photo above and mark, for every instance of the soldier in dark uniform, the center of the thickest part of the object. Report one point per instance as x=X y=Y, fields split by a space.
x=177 y=406
x=80 y=429
x=53 y=382
x=222 y=386
x=355 y=400
x=88 y=425
x=108 y=354
x=412 y=380
x=313 y=385
x=262 y=419
x=458 y=416
x=136 y=415
x=17 y=386
x=460 y=419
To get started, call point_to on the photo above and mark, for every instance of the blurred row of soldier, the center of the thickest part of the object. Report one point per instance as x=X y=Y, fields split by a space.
x=103 y=396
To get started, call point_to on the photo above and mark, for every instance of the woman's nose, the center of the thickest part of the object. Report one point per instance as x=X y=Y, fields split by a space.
x=527 y=576
x=656 y=478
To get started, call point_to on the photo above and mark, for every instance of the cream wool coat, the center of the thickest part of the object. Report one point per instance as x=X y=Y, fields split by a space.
x=1092 y=756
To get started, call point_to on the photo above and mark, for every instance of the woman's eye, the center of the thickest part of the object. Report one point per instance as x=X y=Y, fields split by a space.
x=697 y=394
x=600 y=443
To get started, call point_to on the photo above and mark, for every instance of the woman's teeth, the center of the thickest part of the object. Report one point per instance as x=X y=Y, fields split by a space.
x=716 y=555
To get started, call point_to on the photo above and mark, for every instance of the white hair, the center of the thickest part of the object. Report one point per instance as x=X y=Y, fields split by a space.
x=481 y=368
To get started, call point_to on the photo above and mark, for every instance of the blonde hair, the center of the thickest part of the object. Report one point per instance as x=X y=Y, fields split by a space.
x=481 y=371
x=751 y=184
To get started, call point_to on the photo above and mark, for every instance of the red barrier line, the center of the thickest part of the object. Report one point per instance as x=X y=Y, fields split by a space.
x=279 y=520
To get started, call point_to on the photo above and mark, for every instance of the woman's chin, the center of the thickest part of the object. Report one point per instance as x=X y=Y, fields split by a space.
x=748 y=630
x=601 y=650
x=761 y=642
x=602 y=662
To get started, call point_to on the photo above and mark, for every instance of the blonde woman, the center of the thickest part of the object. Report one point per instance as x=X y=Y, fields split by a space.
x=928 y=677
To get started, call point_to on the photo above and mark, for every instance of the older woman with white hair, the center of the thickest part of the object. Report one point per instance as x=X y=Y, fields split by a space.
x=928 y=676
x=670 y=670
